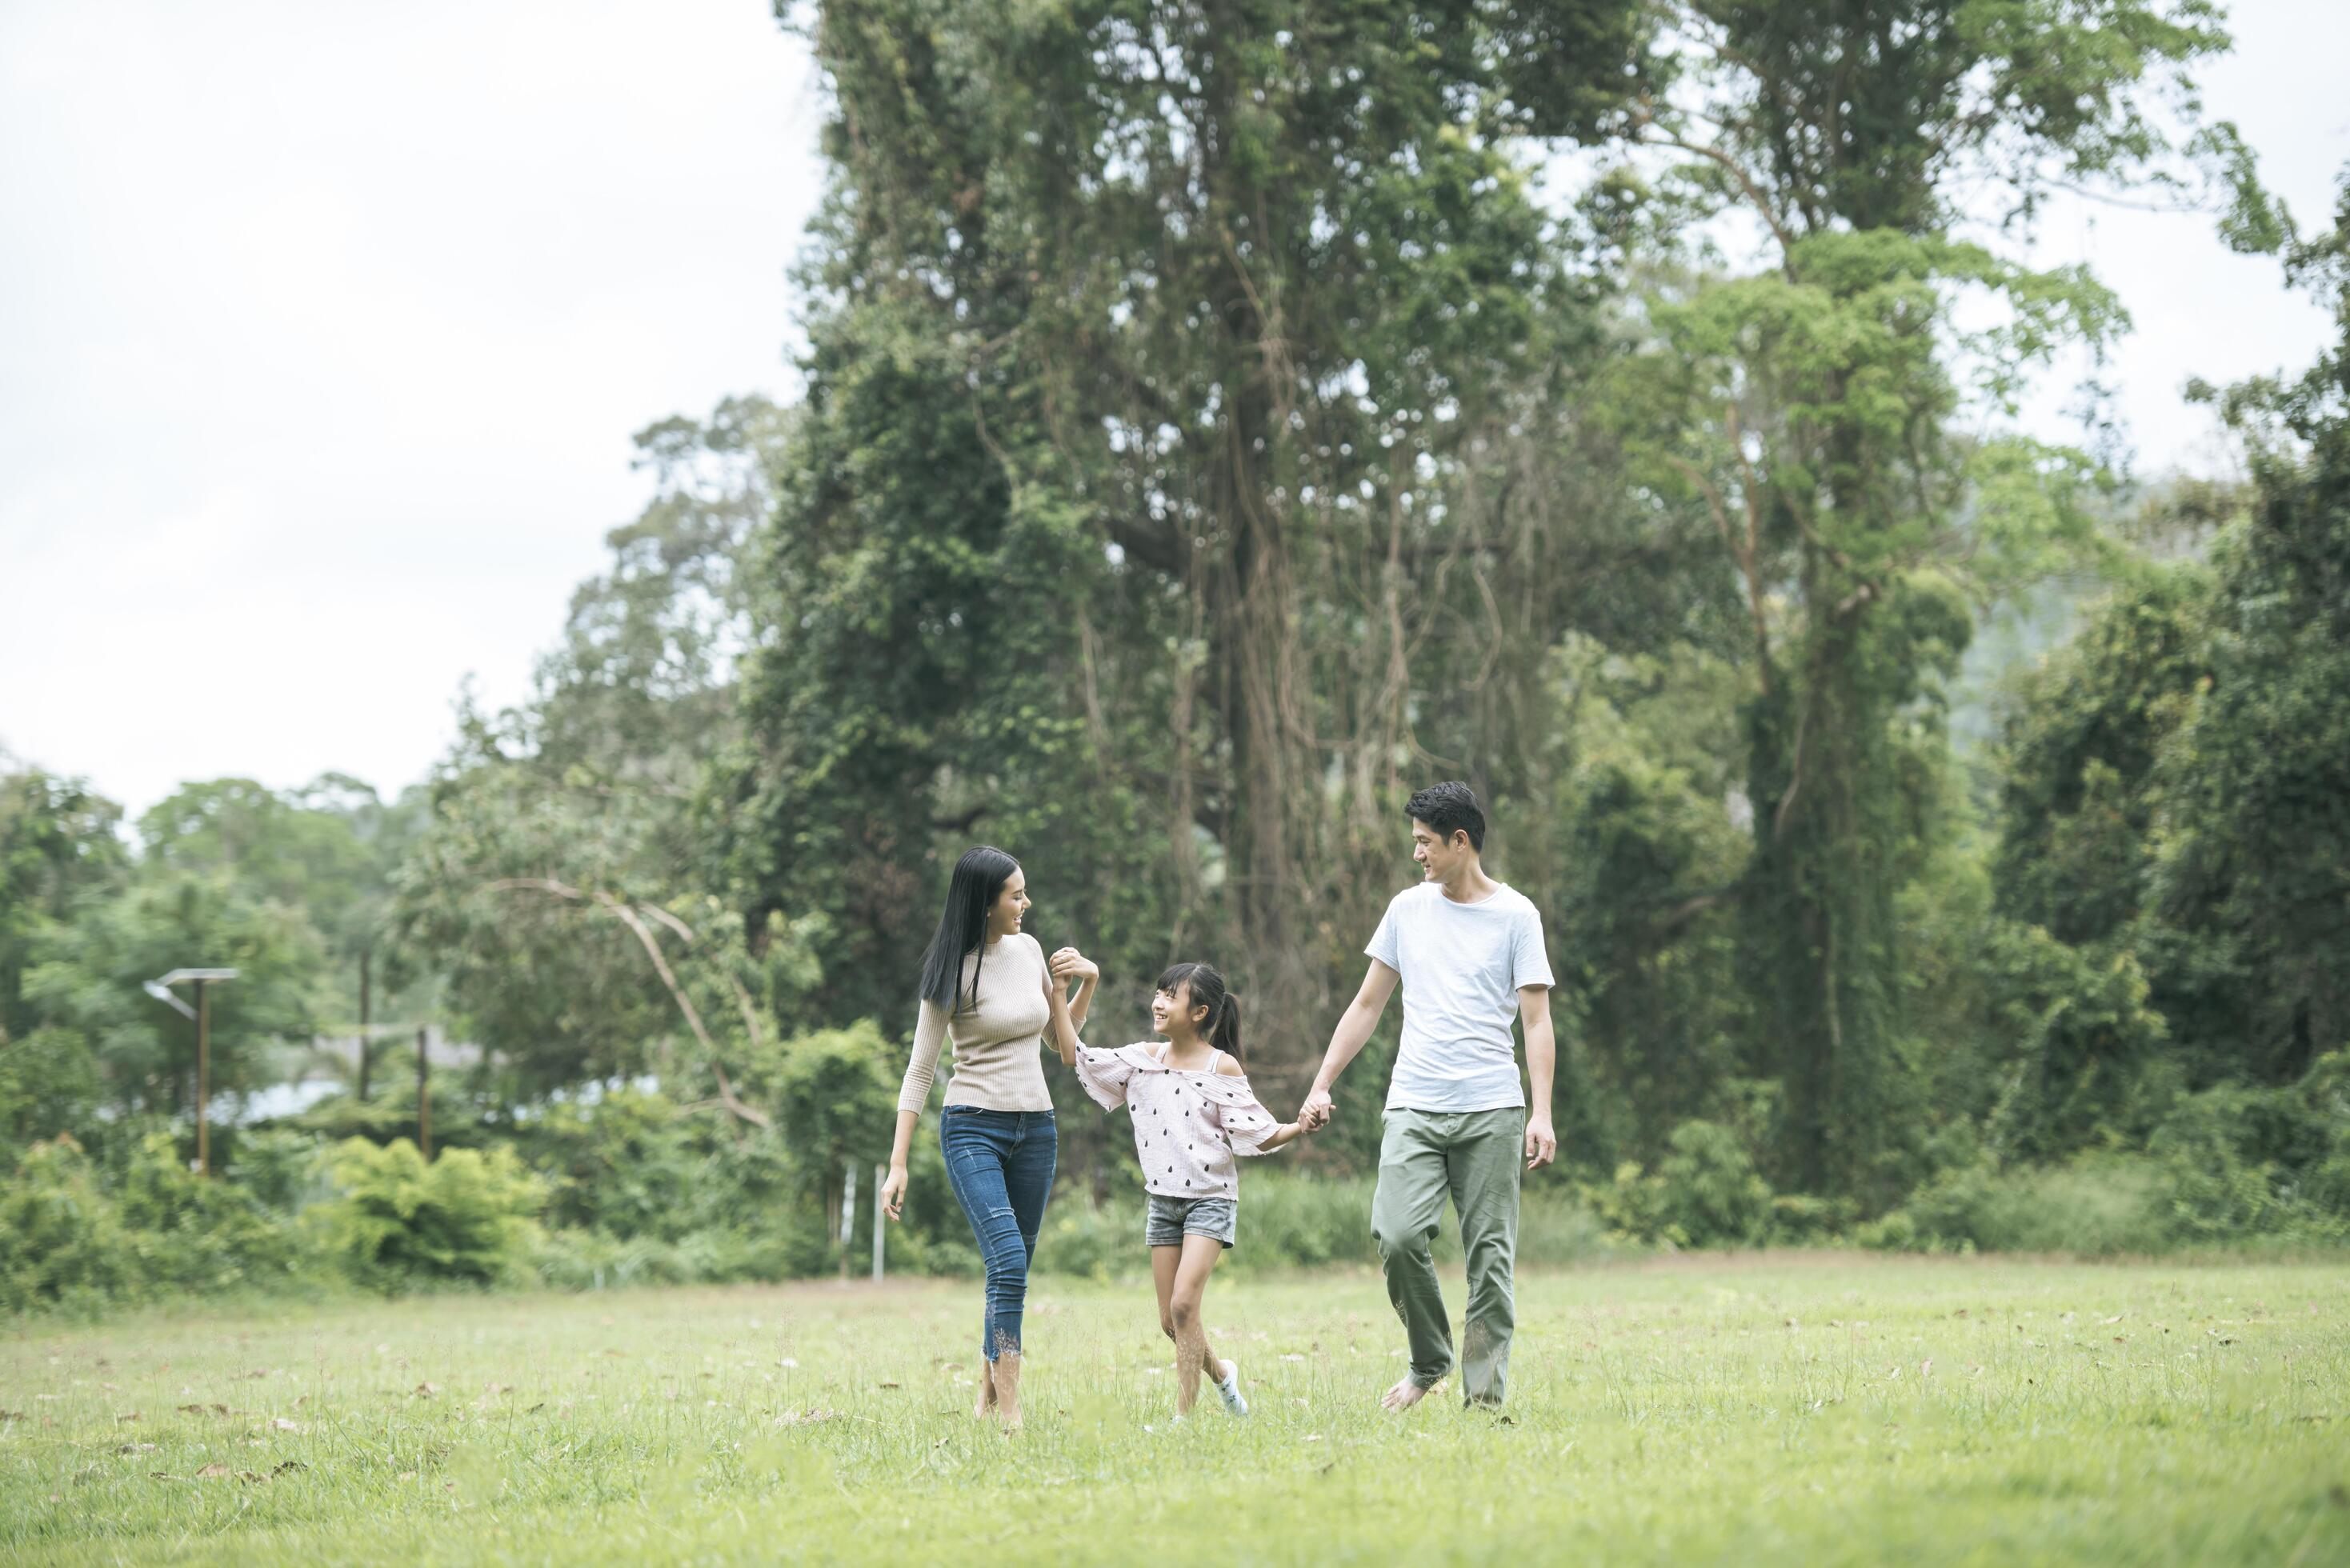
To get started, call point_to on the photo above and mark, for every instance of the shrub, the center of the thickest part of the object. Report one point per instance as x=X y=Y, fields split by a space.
x=1705 y=1193
x=61 y=1238
x=397 y=1220
x=1712 y=1192
x=1295 y=1221
x=1101 y=1241
x=837 y=1094
x=2098 y=1205
x=281 y=1169
x=625 y=1165
x=195 y=1233
x=68 y=1240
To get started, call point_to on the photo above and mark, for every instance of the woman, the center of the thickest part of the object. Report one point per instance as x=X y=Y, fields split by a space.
x=987 y=986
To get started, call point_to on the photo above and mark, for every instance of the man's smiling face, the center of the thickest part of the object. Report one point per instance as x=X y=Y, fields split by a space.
x=1438 y=861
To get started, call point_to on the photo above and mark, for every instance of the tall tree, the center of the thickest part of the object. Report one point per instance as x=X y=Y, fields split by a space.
x=58 y=850
x=1814 y=416
x=1224 y=315
x=2255 y=859
x=560 y=891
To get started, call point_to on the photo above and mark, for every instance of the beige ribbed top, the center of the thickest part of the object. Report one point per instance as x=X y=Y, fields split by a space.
x=997 y=1065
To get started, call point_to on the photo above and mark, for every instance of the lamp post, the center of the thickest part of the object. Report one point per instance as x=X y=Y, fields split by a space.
x=202 y=1013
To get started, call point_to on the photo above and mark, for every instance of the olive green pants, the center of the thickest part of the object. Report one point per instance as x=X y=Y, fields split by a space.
x=1476 y=1157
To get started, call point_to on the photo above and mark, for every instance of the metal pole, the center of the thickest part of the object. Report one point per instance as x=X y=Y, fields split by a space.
x=878 y=1227
x=847 y=1213
x=423 y=1092
x=203 y=1078
x=364 y=954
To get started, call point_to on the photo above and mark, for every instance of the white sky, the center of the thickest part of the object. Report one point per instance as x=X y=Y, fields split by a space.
x=326 y=327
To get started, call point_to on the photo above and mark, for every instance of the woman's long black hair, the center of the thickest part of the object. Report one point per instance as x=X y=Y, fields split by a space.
x=979 y=877
x=1200 y=986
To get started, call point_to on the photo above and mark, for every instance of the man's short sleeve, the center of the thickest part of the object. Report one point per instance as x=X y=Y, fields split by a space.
x=1383 y=945
x=1529 y=963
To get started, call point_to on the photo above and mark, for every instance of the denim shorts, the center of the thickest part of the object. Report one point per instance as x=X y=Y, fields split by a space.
x=1171 y=1219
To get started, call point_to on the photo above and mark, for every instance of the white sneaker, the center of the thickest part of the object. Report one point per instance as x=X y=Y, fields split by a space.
x=1229 y=1390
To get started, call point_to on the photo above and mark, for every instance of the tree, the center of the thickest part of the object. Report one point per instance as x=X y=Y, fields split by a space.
x=88 y=978
x=557 y=891
x=2255 y=784
x=57 y=849
x=1810 y=411
x=1164 y=359
x=2174 y=785
x=329 y=849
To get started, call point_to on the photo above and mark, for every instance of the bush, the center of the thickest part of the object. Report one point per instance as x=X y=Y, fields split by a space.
x=280 y=1168
x=61 y=1239
x=67 y=1239
x=198 y=1234
x=837 y=1094
x=625 y=1164
x=1299 y=1222
x=397 y=1220
x=1705 y=1193
x=593 y=1260
x=1100 y=1242
x=2095 y=1206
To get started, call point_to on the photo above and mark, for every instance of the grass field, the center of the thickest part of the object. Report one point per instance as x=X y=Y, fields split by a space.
x=1768 y=1409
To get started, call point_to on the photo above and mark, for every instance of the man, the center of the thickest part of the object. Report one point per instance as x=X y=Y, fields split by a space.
x=1468 y=951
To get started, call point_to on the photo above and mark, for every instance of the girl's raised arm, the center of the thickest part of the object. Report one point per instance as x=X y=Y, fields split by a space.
x=1063 y=1028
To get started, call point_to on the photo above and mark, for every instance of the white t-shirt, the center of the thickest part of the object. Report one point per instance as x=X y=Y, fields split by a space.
x=1461 y=966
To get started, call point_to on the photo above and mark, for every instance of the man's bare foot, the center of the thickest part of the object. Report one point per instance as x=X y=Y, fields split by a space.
x=986 y=1406
x=1403 y=1396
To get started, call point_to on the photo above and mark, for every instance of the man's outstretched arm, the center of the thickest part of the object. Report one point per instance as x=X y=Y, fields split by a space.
x=1354 y=1030
x=1542 y=1068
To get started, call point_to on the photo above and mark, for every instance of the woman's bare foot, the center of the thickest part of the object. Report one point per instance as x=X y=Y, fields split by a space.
x=1403 y=1396
x=986 y=1406
x=1007 y=1389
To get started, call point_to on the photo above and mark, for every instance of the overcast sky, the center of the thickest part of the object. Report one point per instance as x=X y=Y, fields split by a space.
x=326 y=327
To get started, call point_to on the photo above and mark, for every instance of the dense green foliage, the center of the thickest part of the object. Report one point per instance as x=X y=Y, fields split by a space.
x=1218 y=419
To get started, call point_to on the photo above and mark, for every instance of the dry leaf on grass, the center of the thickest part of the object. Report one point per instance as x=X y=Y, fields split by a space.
x=808 y=1417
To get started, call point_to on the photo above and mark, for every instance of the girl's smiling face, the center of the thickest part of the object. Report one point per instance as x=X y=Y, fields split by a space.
x=1165 y=1006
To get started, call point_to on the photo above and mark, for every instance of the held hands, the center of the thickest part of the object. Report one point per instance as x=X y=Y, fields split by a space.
x=893 y=1192
x=1068 y=964
x=1542 y=1144
x=1315 y=1113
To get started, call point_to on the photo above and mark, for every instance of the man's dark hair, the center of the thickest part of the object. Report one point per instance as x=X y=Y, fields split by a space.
x=1448 y=808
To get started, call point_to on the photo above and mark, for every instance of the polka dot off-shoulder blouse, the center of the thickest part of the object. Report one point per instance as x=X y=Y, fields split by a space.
x=1188 y=1123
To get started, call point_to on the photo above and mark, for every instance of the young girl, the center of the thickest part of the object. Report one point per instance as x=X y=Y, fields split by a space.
x=1193 y=1111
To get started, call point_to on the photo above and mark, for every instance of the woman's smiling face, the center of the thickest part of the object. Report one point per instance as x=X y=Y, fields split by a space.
x=1011 y=904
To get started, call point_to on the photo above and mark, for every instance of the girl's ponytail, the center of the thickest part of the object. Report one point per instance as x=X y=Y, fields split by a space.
x=1225 y=1034
x=1203 y=987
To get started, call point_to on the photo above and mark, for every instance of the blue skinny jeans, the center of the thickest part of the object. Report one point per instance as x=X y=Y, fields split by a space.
x=1000 y=1164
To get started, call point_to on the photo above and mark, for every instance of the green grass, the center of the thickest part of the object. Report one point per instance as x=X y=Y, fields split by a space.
x=1778 y=1409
